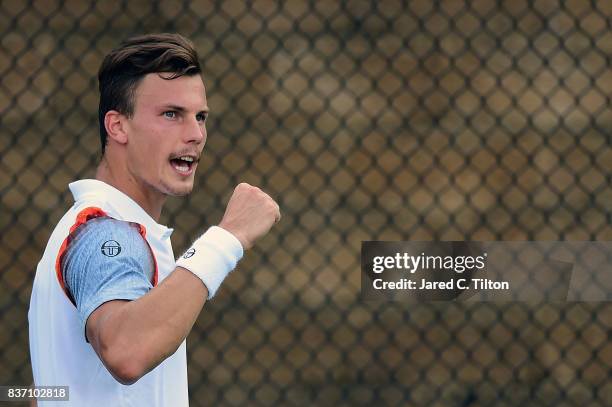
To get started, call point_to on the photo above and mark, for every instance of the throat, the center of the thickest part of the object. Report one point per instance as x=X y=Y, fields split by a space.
x=150 y=200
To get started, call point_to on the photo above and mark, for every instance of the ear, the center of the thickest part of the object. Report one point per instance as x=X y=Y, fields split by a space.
x=115 y=125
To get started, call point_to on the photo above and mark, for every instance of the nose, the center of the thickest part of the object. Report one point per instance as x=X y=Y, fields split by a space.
x=196 y=132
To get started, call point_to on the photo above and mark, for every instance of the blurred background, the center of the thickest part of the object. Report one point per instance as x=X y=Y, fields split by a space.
x=365 y=120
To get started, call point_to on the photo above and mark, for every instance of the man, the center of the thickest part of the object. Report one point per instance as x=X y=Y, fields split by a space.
x=110 y=306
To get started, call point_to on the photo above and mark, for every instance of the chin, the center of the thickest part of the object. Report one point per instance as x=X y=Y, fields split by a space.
x=182 y=191
x=178 y=190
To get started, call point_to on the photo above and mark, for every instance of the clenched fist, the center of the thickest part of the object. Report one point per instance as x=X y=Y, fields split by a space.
x=250 y=214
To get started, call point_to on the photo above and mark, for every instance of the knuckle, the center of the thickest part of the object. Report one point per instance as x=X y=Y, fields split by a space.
x=274 y=210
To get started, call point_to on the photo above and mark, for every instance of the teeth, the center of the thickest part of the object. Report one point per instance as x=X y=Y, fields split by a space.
x=181 y=167
x=187 y=158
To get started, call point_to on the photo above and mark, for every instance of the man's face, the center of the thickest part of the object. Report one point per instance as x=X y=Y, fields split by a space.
x=167 y=133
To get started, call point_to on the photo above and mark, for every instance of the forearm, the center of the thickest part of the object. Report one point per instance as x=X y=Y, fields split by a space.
x=151 y=328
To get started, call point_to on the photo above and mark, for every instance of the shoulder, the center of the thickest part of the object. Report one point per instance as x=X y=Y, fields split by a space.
x=106 y=252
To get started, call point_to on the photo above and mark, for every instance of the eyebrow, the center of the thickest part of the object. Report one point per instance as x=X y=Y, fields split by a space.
x=181 y=109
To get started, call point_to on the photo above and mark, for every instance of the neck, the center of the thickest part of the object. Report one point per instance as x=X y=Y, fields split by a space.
x=151 y=201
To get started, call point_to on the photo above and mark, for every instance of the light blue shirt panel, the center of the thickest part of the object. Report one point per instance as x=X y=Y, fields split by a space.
x=107 y=259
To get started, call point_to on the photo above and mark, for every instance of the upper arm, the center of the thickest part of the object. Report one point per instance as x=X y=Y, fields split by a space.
x=97 y=320
x=100 y=328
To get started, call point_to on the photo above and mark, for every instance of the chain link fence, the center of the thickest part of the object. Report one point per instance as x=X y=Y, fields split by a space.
x=419 y=120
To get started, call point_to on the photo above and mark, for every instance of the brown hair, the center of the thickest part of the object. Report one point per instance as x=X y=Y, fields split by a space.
x=124 y=67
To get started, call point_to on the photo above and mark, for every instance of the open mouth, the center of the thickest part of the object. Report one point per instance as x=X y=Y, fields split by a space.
x=184 y=165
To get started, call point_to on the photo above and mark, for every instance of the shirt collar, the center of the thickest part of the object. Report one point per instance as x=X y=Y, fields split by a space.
x=120 y=202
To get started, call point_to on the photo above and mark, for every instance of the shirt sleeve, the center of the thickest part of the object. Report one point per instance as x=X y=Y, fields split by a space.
x=107 y=259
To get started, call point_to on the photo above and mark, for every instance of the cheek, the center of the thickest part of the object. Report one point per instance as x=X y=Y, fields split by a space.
x=154 y=156
x=147 y=151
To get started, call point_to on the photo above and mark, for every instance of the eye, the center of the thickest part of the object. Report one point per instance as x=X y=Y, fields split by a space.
x=201 y=117
x=170 y=114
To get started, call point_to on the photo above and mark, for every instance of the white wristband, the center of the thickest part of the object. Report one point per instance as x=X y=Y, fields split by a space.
x=211 y=257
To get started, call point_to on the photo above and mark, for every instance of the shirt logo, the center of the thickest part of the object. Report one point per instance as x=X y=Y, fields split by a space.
x=110 y=248
x=189 y=253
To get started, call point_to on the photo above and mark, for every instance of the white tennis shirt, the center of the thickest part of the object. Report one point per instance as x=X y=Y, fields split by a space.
x=58 y=349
